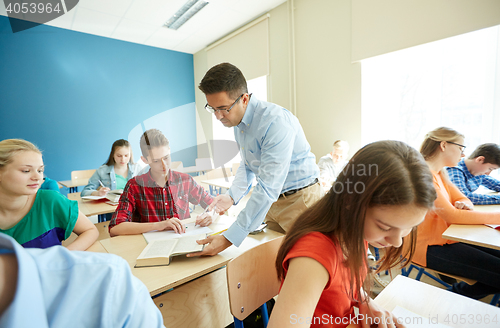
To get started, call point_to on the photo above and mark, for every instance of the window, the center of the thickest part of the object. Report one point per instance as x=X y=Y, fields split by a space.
x=453 y=82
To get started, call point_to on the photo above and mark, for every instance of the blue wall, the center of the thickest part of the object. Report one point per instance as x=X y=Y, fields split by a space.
x=74 y=94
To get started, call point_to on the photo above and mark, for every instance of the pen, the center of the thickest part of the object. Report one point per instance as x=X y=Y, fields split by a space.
x=101 y=184
x=218 y=233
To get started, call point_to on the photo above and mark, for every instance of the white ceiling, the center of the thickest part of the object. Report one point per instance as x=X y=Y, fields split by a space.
x=141 y=21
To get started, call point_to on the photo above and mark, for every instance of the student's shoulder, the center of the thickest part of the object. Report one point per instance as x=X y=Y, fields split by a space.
x=314 y=242
x=50 y=195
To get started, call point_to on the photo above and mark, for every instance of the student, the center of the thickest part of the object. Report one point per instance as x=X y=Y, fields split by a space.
x=34 y=217
x=274 y=150
x=65 y=289
x=158 y=199
x=49 y=184
x=380 y=198
x=444 y=147
x=332 y=163
x=474 y=172
x=114 y=174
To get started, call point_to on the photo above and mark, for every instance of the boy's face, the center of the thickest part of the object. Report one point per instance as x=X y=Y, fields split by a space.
x=159 y=160
x=479 y=167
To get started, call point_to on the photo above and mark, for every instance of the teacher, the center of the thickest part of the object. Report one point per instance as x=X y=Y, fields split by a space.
x=274 y=151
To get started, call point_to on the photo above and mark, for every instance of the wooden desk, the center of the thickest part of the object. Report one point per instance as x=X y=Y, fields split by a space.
x=74 y=184
x=479 y=235
x=199 y=297
x=193 y=169
x=97 y=248
x=220 y=182
x=487 y=208
x=93 y=207
x=436 y=303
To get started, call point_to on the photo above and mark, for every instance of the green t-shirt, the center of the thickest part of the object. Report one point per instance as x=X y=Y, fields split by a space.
x=120 y=182
x=50 y=220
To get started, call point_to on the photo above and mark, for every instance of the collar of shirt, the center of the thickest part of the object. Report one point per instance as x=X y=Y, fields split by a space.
x=148 y=181
x=249 y=112
x=461 y=165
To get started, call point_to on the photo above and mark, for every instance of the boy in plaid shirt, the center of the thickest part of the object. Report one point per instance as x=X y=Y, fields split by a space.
x=158 y=199
x=473 y=172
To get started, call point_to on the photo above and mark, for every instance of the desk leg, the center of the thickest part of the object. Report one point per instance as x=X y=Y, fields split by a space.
x=203 y=302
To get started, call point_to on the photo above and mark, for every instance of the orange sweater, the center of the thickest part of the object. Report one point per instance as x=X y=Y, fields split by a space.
x=443 y=215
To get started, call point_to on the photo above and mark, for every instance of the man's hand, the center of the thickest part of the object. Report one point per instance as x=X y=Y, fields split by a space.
x=204 y=219
x=171 y=224
x=213 y=245
x=221 y=203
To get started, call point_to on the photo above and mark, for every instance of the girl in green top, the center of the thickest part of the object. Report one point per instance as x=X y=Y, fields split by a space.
x=34 y=217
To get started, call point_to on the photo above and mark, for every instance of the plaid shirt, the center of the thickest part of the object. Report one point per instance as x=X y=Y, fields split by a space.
x=144 y=201
x=468 y=183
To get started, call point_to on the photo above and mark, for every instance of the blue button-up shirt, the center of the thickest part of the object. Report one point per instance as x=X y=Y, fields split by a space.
x=59 y=288
x=468 y=183
x=275 y=151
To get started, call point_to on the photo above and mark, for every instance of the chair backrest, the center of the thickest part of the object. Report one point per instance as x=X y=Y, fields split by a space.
x=235 y=167
x=252 y=279
x=83 y=174
x=219 y=173
x=176 y=165
x=74 y=196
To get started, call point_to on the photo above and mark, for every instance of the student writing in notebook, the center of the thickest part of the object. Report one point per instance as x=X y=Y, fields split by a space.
x=322 y=261
x=34 y=217
x=444 y=147
x=158 y=199
x=114 y=174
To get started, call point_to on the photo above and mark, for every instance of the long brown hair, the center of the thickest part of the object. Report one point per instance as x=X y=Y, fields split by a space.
x=381 y=173
x=116 y=144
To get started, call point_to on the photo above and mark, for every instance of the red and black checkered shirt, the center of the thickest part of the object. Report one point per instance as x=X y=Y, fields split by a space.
x=145 y=201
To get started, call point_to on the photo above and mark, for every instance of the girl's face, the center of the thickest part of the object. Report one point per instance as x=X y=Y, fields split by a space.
x=122 y=155
x=386 y=225
x=24 y=175
x=453 y=152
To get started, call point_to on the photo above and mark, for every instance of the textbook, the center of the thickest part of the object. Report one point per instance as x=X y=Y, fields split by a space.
x=191 y=229
x=113 y=196
x=160 y=252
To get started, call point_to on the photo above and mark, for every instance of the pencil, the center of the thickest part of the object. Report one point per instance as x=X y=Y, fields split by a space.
x=218 y=233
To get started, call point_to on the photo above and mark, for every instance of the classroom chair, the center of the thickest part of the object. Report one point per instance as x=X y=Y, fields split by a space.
x=422 y=271
x=81 y=174
x=252 y=281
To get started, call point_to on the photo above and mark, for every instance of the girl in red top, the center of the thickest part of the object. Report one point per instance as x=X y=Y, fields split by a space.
x=382 y=194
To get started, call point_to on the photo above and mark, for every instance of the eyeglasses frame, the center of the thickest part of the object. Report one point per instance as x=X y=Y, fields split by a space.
x=212 y=110
x=461 y=149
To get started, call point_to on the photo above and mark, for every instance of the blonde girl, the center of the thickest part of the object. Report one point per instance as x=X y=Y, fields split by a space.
x=34 y=217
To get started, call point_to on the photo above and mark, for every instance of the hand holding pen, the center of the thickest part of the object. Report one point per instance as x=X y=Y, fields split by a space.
x=103 y=190
x=205 y=218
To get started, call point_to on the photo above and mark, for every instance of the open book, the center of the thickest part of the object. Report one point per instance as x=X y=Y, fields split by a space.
x=113 y=196
x=160 y=252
